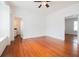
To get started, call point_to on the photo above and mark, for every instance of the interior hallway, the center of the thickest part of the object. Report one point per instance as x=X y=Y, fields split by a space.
x=42 y=46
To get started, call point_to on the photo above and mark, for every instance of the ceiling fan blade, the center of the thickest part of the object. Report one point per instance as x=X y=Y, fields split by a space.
x=39 y=6
x=48 y=1
x=37 y=1
x=47 y=5
x=41 y=1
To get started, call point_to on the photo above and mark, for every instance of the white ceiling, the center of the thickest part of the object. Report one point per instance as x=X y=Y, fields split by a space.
x=54 y=5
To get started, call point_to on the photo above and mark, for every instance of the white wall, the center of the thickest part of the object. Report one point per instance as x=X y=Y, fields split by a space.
x=38 y=23
x=4 y=20
x=34 y=22
x=12 y=16
x=4 y=26
x=56 y=21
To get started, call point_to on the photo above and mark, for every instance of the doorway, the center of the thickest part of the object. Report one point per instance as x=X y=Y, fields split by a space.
x=17 y=25
x=71 y=29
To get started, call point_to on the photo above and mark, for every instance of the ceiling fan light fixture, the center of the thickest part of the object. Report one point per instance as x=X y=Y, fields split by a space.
x=39 y=6
x=47 y=5
x=44 y=3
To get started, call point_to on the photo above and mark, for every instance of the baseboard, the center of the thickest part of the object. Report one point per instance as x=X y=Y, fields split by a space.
x=38 y=36
x=4 y=51
x=35 y=36
x=55 y=37
x=70 y=34
x=5 y=42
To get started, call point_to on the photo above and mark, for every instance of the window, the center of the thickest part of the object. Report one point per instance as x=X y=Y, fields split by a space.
x=75 y=25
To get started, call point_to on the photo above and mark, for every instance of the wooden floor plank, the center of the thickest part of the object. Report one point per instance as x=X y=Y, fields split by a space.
x=42 y=47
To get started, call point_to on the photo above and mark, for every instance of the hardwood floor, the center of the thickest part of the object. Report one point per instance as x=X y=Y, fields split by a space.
x=42 y=47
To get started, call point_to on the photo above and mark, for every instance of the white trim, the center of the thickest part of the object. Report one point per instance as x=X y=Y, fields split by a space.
x=28 y=37
x=55 y=37
x=5 y=41
x=34 y=36
x=78 y=29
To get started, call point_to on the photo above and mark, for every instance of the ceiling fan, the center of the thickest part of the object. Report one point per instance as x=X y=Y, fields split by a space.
x=43 y=3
